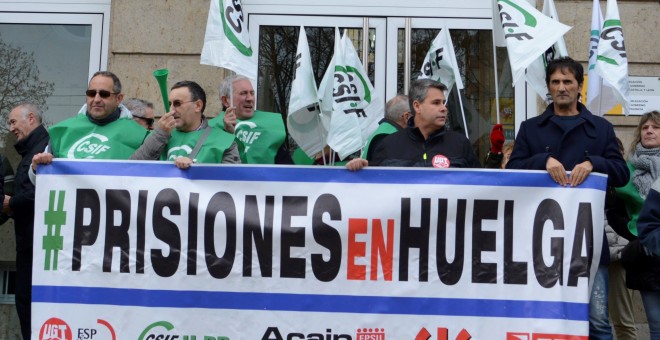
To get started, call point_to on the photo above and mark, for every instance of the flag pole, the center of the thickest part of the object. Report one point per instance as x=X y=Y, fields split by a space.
x=497 y=89
x=460 y=101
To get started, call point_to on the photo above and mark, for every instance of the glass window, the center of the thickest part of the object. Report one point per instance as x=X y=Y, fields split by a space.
x=56 y=59
x=277 y=53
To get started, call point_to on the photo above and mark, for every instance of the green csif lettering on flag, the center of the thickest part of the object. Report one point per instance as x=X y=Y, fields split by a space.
x=530 y=20
x=54 y=219
x=232 y=24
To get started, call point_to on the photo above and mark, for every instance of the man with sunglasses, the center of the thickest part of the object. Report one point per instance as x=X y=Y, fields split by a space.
x=184 y=136
x=142 y=112
x=105 y=131
x=260 y=135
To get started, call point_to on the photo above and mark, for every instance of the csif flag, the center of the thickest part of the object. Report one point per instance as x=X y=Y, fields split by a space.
x=440 y=62
x=528 y=33
x=611 y=58
x=600 y=95
x=356 y=109
x=304 y=120
x=227 y=42
x=535 y=75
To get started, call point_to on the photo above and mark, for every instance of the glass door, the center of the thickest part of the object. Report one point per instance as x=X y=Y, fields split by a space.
x=472 y=39
x=276 y=39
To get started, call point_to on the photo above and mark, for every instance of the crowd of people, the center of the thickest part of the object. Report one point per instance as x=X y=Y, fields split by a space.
x=566 y=140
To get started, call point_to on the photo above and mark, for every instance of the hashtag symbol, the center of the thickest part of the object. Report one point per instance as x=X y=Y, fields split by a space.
x=54 y=220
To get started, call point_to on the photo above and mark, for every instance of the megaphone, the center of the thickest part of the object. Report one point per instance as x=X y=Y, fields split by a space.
x=161 y=77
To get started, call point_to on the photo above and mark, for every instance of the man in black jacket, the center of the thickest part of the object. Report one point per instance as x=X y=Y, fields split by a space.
x=429 y=143
x=25 y=123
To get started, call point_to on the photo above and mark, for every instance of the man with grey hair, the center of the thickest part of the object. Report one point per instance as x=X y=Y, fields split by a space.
x=260 y=135
x=428 y=143
x=142 y=112
x=397 y=113
x=25 y=123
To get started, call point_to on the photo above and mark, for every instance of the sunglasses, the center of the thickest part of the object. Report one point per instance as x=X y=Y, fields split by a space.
x=150 y=121
x=178 y=103
x=102 y=93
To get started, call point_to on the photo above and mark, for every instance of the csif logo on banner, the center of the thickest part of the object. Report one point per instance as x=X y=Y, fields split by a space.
x=510 y=26
x=234 y=25
x=164 y=330
x=351 y=91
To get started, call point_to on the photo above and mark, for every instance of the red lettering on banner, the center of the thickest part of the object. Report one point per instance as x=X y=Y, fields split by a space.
x=356 y=249
x=382 y=249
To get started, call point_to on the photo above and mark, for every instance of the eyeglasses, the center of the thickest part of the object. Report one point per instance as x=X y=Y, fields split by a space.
x=102 y=93
x=149 y=121
x=178 y=103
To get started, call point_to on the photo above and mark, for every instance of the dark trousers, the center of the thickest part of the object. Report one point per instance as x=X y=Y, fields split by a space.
x=24 y=291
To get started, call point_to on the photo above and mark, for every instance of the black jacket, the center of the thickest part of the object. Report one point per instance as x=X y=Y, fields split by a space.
x=407 y=148
x=22 y=203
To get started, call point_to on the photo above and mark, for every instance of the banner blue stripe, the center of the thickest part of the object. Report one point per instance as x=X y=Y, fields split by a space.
x=314 y=174
x=311 y=303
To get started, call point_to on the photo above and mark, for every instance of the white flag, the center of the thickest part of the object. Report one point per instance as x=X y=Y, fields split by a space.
x=600 y=95
x=304 y=121
x=227 y=42
x=611 y=59
x=528 y=33
x=535 y=75
x=498 y=33
x=440 y=62
x=326 y=86
x=356 y=109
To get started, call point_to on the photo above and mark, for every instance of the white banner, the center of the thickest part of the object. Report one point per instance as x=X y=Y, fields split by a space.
x=265 y=252
x=227 y=41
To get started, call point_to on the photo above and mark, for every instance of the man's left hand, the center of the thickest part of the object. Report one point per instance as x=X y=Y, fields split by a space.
x=5 y=205
x=580 y=173
x=183 y=162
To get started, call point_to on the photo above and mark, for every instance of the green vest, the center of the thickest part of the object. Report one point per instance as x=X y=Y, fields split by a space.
x=385 y=128
x=632 y=201
x=181 y=144
x=79 y=138
x=258 y=138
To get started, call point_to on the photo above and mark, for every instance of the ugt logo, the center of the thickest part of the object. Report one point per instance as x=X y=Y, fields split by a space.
x=351 y=90
x=233 y=24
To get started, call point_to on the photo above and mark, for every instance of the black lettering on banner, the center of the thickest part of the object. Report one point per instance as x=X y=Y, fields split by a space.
x=450 y=273
x=220 y=267
x=327 y=237
x=238 y=24
x=166 y=231
x=483 y=241
x=193 y=210
x=548 y=276
x=140 y=243
x=263 y=240
x=584 y=231
x=292 y=237
x=85 y=235
x=116 y=234
x=414 y=237
x=514 y=272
